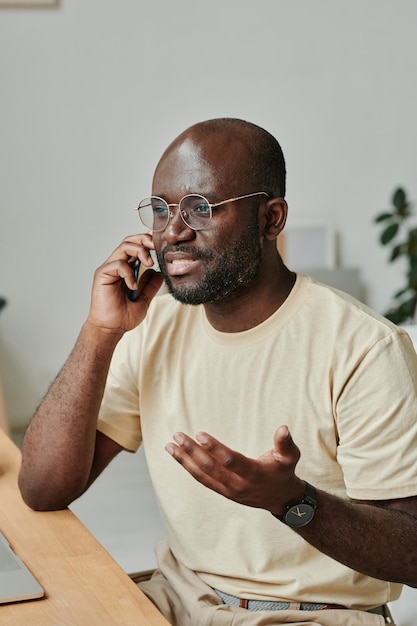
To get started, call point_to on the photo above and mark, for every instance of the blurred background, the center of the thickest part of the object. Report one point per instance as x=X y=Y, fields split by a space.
x=92 y=91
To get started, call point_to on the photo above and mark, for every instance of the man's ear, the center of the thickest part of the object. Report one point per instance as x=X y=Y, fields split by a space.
x=275 y=217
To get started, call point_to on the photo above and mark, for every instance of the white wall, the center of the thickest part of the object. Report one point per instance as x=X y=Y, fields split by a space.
x=92 y=92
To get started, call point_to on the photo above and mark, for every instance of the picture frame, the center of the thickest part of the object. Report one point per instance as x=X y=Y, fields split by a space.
x=307 y=245
x=29 y=4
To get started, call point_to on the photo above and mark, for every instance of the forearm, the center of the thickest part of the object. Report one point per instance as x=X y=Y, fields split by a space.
x=58 y=447
x=375 y=541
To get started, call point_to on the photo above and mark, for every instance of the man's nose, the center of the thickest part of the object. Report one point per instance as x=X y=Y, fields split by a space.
x=176 y=229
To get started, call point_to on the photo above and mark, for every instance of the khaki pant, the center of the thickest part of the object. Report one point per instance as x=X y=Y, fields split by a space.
x=185 y=600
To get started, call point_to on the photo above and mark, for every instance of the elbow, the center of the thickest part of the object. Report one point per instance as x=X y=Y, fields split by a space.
x=41 y=497
x=42 y=504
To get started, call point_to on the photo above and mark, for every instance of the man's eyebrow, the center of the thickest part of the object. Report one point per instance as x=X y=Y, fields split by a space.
x=211 y=197
x=159 y=195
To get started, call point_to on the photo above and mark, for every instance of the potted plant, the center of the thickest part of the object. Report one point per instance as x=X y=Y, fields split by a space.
x=402 y=236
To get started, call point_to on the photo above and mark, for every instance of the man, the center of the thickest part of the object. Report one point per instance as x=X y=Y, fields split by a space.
x=293 y=407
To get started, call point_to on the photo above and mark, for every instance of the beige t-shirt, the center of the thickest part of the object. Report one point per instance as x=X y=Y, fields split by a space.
x=342 y=378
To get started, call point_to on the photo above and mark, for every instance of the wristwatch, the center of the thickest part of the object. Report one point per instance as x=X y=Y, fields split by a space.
x=301 y=514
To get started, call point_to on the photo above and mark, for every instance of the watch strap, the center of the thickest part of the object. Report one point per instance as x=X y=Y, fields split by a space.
x=310 y=499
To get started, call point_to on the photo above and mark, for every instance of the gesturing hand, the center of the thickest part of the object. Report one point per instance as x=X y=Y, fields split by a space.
x=268 y=482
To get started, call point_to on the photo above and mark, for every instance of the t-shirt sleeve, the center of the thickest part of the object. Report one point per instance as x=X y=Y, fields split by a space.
x=119 y=416
x=377 y=422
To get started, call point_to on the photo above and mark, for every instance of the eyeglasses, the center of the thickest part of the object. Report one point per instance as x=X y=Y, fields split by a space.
x=195 y=210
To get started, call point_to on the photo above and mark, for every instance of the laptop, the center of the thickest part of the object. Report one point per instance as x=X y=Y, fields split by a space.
x=16 y=581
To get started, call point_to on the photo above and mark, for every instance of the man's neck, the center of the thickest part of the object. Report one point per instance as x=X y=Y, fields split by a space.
x=247 y=310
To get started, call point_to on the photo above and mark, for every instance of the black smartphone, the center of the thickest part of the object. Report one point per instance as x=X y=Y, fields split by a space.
x=133 y=293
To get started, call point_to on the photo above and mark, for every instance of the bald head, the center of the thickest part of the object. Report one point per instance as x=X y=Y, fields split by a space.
x=241 y=156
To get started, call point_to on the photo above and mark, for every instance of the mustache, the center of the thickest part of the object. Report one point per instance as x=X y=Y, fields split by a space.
x=195 y=252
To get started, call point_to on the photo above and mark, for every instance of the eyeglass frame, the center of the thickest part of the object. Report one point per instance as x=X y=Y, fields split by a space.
x=189 y=195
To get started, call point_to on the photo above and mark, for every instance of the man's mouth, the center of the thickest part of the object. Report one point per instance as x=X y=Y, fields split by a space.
x=179 y=264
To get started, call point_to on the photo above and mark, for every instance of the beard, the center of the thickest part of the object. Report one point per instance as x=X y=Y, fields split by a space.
x=232 y=269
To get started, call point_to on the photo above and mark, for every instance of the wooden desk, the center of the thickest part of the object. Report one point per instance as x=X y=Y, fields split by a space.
x=83 y=584
x=4 y=422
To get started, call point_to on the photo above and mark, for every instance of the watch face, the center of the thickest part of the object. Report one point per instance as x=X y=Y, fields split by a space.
x=299 y=515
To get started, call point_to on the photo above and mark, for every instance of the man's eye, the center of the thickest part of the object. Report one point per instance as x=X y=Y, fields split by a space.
x=202 y=209
x=159 y=210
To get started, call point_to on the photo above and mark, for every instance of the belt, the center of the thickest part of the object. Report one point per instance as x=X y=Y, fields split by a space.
x=267 y=605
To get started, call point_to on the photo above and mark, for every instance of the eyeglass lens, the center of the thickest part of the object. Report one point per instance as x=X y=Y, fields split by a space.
x=195 y=210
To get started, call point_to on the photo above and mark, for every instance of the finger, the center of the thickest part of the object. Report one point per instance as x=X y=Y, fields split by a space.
x=141 y=239
x=148 y=286
x=228 y=458
x=143 y=243
x=198 y=462
x=134 y=247
x=112 y=271
x=285 y=449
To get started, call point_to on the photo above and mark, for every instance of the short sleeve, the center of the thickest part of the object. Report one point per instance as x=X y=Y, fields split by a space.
x=377 y=423
x=119 y=416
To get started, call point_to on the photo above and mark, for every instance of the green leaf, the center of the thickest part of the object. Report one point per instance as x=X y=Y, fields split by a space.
x=396 y=317
x=412 y=275
x=412 y=261
x=389 y=233
x=399 y=198
x=411 y=250
x=396 y=252
x=400 y=293
x=383 y=216
x=409 y=306
x=404 y=311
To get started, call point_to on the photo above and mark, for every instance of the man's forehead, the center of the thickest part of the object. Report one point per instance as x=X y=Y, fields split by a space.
x=201 y=163
x=186 y=153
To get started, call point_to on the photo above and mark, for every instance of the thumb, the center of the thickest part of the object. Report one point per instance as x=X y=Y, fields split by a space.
x=285 y=449
x=149 y=285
